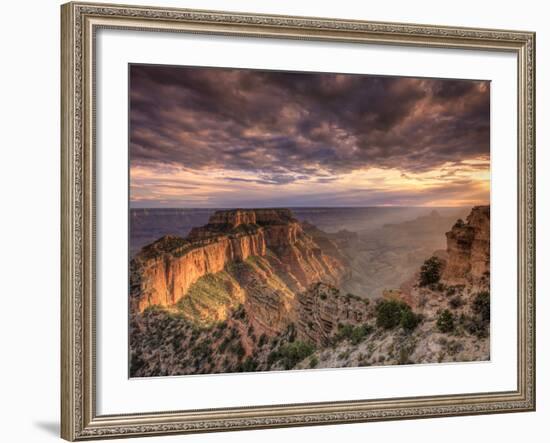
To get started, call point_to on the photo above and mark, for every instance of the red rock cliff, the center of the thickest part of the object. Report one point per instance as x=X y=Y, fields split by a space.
x=166 y=277
x=163 y=272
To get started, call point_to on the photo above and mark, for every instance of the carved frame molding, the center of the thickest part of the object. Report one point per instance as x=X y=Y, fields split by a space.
x=80 y=21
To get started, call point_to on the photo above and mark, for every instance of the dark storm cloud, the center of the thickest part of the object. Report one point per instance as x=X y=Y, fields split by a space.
x=283 y=126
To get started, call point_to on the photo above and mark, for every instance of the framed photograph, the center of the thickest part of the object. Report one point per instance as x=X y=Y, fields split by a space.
x=277 y=221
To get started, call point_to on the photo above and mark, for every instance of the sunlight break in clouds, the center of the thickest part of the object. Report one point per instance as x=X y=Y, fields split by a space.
x=240 y=138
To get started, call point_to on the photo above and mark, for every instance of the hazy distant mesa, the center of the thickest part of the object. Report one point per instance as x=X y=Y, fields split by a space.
x=224 y=137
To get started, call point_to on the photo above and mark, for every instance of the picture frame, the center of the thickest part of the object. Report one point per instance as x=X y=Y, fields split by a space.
x=80 y=24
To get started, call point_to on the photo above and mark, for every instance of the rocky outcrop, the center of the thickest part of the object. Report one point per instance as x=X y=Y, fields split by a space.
x=322 y=309
x=163 y=272
x=468 y=248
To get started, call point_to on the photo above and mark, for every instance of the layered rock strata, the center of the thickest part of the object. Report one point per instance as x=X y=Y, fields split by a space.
x=163 y=272
x=323 y=309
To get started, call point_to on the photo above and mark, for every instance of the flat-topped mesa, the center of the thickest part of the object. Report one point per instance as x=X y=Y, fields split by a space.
x=164 y=271
x=267 y=216
x=468 y=248
x=278 y=225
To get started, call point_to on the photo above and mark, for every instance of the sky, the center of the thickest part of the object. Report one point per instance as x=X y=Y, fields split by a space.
x=223 y=138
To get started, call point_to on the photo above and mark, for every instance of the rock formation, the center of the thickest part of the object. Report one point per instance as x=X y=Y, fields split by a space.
x=164 y=272
x=236 y=217
x=468 y=248
x=322 y=309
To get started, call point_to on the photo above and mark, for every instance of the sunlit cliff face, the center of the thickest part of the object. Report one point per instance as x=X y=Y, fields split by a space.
x=240 y=138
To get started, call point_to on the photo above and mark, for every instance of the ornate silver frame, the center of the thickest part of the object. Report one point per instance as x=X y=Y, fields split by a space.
x=80 y=21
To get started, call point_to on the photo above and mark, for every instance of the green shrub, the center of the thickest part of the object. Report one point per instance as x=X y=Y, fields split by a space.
x=482 y=306
x=344 y=331
x=136 y=363
x=292 y=353
x=409 y=320
x=273 y=357
x=263 y=340
x=313 y=362
x=238 y=350
x=359 y=333
x=475 y=326
x=223 y=345
x=388 y=313
x=446 y=321
x=393 y=313
x=355 y=334
x=201 y=350
x=456 y=302
x=249 y=365
x=478 y=323
x=430 y=272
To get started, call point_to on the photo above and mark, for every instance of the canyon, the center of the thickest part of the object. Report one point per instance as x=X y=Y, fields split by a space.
x=256 y=289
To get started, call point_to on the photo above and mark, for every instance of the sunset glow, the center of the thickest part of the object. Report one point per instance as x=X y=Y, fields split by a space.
x=239 y=138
